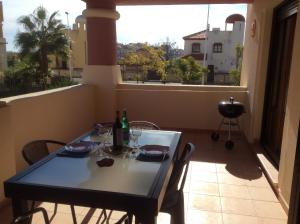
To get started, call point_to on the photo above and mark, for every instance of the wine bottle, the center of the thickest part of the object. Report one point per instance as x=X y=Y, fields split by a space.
x=125 y=128
x=117 y=133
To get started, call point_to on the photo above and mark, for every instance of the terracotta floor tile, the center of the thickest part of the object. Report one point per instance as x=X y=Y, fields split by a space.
x=65 y=218
x=210 y=177
x=239 y=219
x=237 y=206
x=38 y=218
x=186 y=187
x=258 y=182
x=63 y=208
x=93 y=220
x=227 y=178
x=186 y=202
x=234 y=191
x=262 y=194
x=205 y=203
x=202 y=167
x=163 y=218
x=204 y=217
x=116 y=214
x=272 y=221
x=204 y=188
x=269 y=210
x=221 y=168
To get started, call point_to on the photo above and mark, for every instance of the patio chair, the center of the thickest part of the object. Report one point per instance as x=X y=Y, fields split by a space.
x=173 y=202
x=29 y=214
x=35 y=151
x=144 y=124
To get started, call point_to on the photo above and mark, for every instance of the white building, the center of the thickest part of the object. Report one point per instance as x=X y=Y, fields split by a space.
x=221 y=45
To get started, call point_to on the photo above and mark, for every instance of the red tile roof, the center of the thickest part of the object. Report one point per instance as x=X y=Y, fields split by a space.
x=235 y=18
x=196 y=36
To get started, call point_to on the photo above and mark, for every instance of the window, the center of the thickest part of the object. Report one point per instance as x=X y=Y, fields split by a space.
x=195 y=48
x=217 y=47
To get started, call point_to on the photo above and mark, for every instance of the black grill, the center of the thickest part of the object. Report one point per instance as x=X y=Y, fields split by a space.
x=230 y=110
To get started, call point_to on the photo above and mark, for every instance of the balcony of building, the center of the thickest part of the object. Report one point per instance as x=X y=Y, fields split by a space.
x=223 y=186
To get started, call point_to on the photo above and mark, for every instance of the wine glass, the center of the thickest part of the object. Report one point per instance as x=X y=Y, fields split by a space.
x=135 y=134
x=104 y=134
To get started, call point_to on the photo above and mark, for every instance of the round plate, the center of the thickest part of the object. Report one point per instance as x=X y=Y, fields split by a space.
x=156 y=148
x=79 y=147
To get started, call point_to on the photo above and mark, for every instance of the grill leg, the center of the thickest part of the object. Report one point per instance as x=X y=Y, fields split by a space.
x=215 y=135
x=238 y=124
x=221 y=124
x=229 y=130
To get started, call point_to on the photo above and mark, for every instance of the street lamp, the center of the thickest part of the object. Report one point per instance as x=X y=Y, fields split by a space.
x=69 y=40
x=206 y=43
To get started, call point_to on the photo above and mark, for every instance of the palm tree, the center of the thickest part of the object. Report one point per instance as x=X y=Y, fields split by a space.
x=43 y=35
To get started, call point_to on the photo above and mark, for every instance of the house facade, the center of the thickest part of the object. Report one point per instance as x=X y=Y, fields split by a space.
x=219 y=45
x=77 y=58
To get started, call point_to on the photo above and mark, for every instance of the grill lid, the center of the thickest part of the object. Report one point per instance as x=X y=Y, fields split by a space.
x=231 y=108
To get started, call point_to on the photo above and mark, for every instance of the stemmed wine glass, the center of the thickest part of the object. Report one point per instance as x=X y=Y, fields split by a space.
x=104 y=133
x=135 y=134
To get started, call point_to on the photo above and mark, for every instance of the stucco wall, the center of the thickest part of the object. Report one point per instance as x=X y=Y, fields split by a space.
x=176 y=107
x=254 y=74
x=78 y=37
x=255 y=62
x=7 y=154
x=61 y=114
x=290 y=131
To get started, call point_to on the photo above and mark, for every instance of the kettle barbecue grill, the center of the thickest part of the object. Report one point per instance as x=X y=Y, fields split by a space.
x=230 y=110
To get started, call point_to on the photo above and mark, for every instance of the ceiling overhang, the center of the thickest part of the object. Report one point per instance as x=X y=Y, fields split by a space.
x=179 y=2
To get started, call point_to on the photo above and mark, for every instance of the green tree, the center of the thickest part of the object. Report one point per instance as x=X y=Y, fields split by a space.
x=235 y=74
x=189 y=69
x=170 y=50
x=239 y=49
x=43 y=35
x=147 y=58
x=21 y=76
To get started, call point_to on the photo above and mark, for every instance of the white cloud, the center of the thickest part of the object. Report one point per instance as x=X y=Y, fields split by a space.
x=151 y=24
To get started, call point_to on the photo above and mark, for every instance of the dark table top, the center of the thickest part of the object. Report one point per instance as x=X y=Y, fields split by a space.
x=81 y=181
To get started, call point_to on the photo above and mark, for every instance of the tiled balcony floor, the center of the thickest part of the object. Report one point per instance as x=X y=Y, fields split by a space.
x=223 y=187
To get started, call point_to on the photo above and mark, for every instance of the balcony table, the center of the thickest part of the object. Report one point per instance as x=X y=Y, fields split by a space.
x=129 y=185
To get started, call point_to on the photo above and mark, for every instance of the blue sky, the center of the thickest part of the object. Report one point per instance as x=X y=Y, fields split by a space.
x=152 y=24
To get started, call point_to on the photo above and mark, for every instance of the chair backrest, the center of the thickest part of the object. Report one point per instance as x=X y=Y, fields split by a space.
x=181 y=165
x=36 y=150
x=144 y=124
x=23 y=218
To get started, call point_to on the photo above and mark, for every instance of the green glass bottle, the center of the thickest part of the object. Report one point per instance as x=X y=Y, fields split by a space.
x=117 y=133
x=125 y=128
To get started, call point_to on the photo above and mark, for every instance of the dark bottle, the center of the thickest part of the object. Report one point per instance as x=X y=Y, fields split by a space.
x=125 y=127
x=117 y=133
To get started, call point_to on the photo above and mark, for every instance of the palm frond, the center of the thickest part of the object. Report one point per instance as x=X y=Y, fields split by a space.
x=41 y=13
x=27 y=23
x=44 y=36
